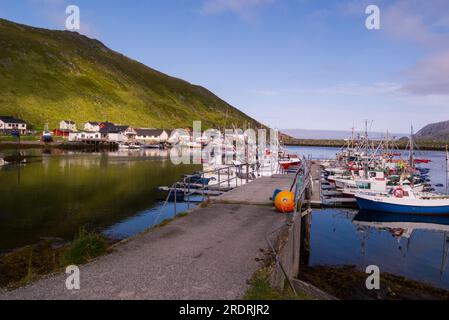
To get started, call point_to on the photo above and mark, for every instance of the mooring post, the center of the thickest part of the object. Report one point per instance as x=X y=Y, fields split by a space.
x=176 y=196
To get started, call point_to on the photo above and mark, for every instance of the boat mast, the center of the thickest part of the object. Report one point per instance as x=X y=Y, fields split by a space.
x=447 y=168
x=412 y=164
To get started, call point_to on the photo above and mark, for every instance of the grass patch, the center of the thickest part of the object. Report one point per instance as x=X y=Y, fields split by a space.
x=26 y=264
x=261 y=289
x=182 y=214
x=86 y=246
x=168 y=221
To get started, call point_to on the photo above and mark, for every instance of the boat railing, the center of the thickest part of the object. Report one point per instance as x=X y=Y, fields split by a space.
x=208 y=183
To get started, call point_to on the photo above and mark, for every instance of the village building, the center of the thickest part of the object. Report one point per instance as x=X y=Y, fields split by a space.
x=180 y=136
x=117 y=133
x=9 y=124
x=92 y=126
x=67 y=125
x=84 y=136
x=65 y=128
x=151 y=136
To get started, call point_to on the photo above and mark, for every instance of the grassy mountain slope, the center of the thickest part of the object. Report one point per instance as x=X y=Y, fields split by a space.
x=48 y=76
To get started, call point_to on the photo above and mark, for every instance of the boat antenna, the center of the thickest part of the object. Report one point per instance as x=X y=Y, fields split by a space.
x=447 y=168
x=412 y=165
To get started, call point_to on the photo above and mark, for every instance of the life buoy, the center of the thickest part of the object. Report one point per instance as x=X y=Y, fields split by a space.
x=399 y=193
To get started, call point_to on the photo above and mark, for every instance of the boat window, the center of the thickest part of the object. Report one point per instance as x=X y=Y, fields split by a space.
x=364 y=185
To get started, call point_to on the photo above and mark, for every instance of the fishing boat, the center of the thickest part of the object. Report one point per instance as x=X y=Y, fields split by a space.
x=151 y=146
x=130 y=146
x=404 y=200
x=47 y=136
x=289 y=161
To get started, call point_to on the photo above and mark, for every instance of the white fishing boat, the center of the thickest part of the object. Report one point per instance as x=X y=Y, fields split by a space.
x=129 y=146
x=404 y=200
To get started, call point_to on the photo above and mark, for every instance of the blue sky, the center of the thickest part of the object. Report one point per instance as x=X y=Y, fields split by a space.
x=306 y=64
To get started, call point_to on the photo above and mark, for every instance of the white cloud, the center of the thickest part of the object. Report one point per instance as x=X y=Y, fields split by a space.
x=429 y=76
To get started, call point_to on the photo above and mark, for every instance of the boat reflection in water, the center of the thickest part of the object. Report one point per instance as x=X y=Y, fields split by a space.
x=403 y=226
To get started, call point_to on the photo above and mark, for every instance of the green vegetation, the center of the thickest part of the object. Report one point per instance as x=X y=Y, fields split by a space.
x=48 y=76
x=401 y=144
x=27 y=264
x=86 y=246
x=261 y=289
x=14 y=139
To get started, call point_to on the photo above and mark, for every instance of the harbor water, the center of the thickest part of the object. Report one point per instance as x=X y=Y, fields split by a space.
x=415 y=247
x=58 y=192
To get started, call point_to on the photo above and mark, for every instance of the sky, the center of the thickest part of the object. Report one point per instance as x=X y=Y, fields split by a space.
x=291 y=64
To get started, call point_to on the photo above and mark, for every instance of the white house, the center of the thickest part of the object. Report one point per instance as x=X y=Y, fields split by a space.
x=84 y=136
x=67 y=125
x=151 y=136
x=92 y=126
x=117 y=133
x=9 y=124
x=180 y=136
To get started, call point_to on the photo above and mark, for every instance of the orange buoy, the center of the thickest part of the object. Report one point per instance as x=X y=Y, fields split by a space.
x=285 y=202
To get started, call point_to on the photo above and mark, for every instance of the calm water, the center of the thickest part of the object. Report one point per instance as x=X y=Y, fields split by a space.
x=58 y=192
x=405 y=245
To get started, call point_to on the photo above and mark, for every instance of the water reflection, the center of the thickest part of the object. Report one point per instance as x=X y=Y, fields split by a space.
x=57 y=191
x=403 y=227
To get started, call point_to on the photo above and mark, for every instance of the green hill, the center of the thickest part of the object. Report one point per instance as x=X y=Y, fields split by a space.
x=48 y=76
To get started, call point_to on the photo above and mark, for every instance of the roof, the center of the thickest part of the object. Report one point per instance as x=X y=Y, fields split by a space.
x=69 y=121
x=10 y=119
x=93 y=123
x=108 y=127
x=149 y=132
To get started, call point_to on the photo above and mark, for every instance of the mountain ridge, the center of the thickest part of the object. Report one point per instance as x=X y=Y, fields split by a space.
x=438 y=131
x=52 y=75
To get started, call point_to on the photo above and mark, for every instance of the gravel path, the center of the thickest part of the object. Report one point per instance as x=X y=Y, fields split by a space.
x=209 y=254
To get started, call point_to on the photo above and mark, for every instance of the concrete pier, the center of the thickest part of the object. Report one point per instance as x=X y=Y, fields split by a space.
x=257 y=192
x=209 y=254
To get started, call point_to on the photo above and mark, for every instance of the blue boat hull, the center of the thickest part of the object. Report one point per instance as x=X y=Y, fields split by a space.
x=394 y=208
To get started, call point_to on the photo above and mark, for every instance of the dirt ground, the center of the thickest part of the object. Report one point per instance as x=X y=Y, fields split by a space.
x=348 y=283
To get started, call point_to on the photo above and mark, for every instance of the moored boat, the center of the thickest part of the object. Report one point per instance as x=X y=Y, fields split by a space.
x=404 y=200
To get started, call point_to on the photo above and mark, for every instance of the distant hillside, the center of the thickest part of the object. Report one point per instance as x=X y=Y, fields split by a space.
x=434 y=132
x=48 y=76
x=333 y=134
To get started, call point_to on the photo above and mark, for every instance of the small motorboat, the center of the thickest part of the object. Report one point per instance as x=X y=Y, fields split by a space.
x=130 y=146
x=47 y=136
x=404 y=200
x=289 y=160
x=151 y=146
